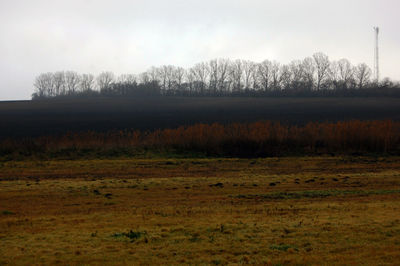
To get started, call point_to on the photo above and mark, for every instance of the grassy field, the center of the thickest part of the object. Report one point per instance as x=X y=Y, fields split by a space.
x=300 y=210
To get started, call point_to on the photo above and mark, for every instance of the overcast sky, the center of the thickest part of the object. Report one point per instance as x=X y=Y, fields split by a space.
x=92 y=36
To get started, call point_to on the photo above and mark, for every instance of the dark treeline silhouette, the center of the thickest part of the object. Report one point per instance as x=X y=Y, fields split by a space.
x=256 y=139
x=312 y=76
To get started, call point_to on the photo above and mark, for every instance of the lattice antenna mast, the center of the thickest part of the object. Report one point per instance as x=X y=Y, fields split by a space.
x=376 y=54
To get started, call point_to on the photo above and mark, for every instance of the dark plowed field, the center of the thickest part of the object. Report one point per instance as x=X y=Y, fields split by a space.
x=34 y=118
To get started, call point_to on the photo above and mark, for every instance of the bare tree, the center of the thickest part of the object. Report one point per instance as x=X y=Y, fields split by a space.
x=345 y=73
x=165 y=74
x=296 y=70
x=322 y=66
x=216 y=77
x=128 y=79
x=362 y=74
x=275 y=75
x=264 y=74
x=248 y=69
x=223 y=68
x=44 y=85
x=334 y=74
x=59 y=83
x=236 y=74
x=201 y=72
x=170 y=77
x=87 y=82
x=144 y=78
x=178 y=75
x=286 y=76
x=104 y=80
x=153 y=74
x=71 y=81
x=213 y=68
x=308 y=68
x=190 y=78
x=254 y=77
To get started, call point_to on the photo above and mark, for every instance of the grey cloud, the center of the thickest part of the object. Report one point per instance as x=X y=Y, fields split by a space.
x=130 y=36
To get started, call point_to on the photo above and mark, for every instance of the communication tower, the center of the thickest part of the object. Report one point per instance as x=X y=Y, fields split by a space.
x=376 y=54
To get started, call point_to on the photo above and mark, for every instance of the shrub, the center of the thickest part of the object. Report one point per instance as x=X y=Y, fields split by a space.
x=132 y=235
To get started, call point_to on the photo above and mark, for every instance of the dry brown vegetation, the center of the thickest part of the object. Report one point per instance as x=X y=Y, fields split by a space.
x=303 y=210
x=262 y=138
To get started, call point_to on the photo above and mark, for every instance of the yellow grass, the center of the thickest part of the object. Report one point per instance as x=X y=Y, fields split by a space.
x=309 y=210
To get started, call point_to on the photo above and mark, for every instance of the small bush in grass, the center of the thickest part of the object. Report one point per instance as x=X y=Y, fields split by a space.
x=195 y=237
x=283 y=247
x=216 y=262
x=219 y=184
x=132 y=235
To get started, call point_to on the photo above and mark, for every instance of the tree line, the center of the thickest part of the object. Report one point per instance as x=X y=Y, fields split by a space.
x=312 y=76
x=258 y=139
